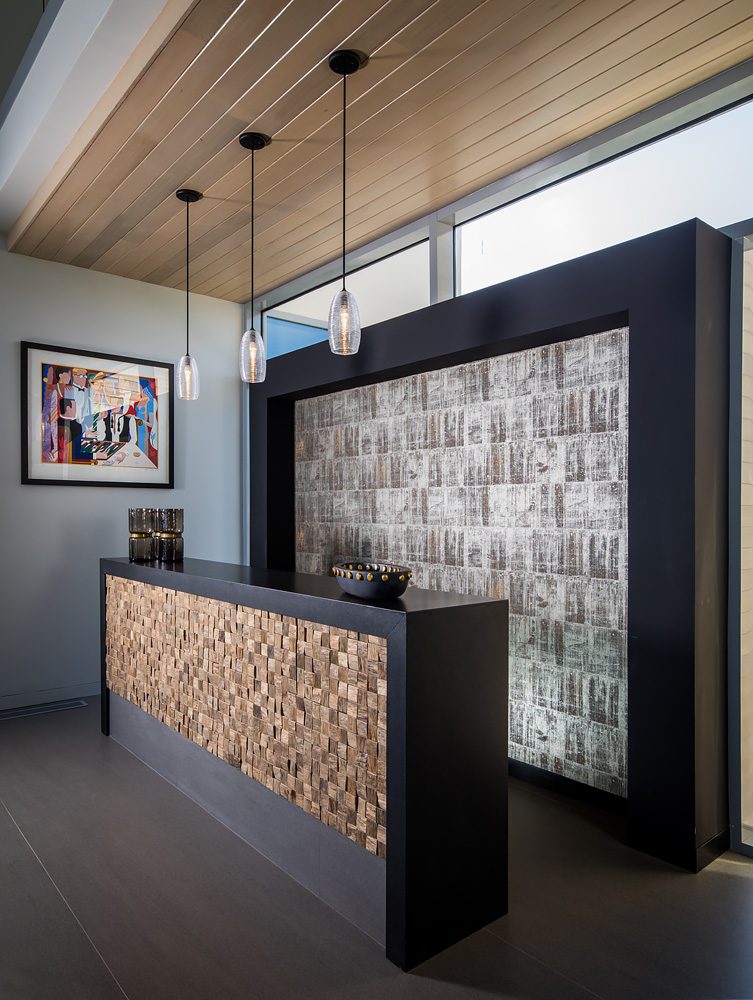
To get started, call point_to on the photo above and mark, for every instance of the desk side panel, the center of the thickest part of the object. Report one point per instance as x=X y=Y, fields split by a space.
x=455 y=773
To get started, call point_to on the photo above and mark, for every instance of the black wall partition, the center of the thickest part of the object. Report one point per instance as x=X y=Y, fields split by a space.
x=672 y=288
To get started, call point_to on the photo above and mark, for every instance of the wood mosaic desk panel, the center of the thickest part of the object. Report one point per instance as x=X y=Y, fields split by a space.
x=298 y=706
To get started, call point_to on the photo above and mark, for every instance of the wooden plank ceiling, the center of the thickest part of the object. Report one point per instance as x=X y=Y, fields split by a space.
x=456 y=93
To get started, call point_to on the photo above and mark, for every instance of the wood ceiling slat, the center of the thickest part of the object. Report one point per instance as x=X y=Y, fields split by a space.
x=292 y=155
x=368 y=224
x=466 y=180
x=245 y=50
x=237 y=290
x=512 y=49
x=473 y=139
x=221 y=176
x=182 y=48
x=211 y=126
x=169 y=20
x=120 y=221
x=249 y=22
x=159 y=236
x=441 y=136
x=457 y=94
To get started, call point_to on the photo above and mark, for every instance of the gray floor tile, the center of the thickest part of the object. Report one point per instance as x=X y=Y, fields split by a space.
x=621 y=923
x=484 y=966
x=44 y=954
x=180 y=907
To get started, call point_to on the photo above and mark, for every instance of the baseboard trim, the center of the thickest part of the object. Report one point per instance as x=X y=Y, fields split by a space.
x=46 y=708
x=567 y=787
x=25 y=699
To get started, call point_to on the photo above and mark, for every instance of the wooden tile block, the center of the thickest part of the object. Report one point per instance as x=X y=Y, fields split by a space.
x=296 y=705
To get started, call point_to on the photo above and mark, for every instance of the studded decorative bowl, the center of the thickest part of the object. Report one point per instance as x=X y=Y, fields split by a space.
x=372 y=580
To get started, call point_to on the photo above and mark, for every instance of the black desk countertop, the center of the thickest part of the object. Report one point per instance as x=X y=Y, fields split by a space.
x=299 y=595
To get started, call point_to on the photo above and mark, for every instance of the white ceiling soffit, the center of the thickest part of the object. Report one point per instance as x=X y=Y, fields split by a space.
x=85 y=56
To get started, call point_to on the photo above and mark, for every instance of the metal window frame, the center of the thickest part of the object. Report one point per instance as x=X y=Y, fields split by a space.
x=285 y=317
x=409 y=237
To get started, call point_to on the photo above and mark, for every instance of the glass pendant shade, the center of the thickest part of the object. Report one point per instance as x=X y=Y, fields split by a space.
x=344 y=324
x=253 y=357
x=187 y=378
x=344 y=317
x=187 y=371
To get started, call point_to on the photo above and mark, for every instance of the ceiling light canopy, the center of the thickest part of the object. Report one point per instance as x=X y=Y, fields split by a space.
x=253 y=352
x=344 y=318
x=187 y=371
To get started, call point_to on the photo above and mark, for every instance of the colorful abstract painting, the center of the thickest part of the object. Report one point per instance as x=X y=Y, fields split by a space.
x=93 y=419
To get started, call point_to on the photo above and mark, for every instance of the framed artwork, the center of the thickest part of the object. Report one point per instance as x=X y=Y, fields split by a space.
x=93 y=419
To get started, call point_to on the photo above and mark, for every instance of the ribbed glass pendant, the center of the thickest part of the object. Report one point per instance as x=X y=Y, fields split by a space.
x=344 y=324
x=344 y=318
x=253 y=352
x=187 y=378
x=187 y=371
x=253 y=357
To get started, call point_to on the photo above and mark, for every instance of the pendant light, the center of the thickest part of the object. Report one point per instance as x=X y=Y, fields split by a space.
x=187 y=371
x=253 y=352
x=344 y=318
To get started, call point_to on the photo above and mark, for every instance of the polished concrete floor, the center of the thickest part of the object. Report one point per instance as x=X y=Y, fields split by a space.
x=113 y=884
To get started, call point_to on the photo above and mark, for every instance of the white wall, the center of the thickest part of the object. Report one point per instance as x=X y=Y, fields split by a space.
x=53 y=536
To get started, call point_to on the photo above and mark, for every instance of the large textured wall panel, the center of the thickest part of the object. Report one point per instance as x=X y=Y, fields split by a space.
x=505 y=477
x=298 y=706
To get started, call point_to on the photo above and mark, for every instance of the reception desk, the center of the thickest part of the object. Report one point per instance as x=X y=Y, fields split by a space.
x=362 y=747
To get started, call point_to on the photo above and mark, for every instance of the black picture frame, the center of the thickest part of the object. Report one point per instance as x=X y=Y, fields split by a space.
x=28 y=478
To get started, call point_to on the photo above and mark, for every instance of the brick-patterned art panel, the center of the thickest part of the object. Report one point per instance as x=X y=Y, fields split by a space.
x=298 y=706
x=505 y=477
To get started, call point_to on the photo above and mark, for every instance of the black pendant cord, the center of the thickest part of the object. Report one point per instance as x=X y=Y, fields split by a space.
x=187 y=261
x=253 y=141
x=345 y=77
x=253 y=173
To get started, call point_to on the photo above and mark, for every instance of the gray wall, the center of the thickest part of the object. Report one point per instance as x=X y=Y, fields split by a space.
x=53 y=536
x=505 y=477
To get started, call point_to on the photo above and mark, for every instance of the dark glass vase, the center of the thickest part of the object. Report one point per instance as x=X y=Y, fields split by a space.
x=142 y=522
x=169 y=535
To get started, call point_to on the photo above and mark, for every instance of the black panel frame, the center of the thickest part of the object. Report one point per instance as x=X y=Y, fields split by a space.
x=672 y=289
